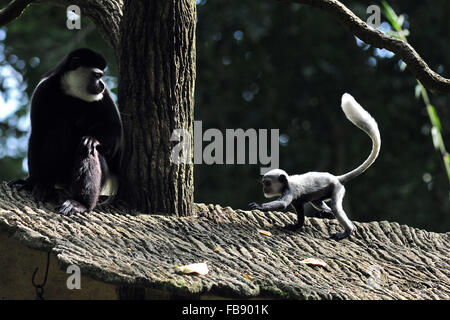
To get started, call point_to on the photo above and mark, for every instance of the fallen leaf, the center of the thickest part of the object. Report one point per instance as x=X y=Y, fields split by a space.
x=314 y=262
x=216 y=250
x=248 y=277
x=197 y=268
x=264 y=232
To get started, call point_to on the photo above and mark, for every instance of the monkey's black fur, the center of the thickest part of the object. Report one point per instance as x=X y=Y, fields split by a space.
x=86 y=179
x=73 y=142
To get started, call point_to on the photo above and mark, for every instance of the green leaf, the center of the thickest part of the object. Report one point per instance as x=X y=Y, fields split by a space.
x=435 y=135
x=434 y=117
x=447 y=164
x=391 y=15
x=401 y=20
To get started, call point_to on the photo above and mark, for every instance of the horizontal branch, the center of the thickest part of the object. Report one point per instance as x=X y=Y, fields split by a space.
x=106 y=15
x=13 y=10
x=430 y=79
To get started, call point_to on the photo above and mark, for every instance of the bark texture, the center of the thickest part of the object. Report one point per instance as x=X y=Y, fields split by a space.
x=381 y=261
x=156 y=96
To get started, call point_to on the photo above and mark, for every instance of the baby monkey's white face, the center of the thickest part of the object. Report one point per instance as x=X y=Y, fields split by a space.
x=84 y=83
x=273 y=186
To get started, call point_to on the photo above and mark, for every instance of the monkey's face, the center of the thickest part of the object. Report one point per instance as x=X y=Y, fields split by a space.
x=83 y=81
x=274 y=183
x=272 y=187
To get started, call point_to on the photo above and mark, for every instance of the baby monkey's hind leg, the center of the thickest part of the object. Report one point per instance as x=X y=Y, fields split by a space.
x=299 y=210
x=323 y=210
x=337 y=198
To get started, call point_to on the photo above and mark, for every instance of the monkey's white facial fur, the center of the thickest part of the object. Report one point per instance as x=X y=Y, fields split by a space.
x=274 y=182
x=84 y=83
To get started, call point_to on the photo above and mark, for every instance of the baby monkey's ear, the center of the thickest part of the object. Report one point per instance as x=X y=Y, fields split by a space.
x=282 y=178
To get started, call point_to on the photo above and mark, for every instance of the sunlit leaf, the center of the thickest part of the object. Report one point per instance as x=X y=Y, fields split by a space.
x=435 y=135
x=434 y=117
x=417 y=90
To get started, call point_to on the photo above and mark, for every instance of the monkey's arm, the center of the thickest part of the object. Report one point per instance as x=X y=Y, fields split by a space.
x=323 y=210
x=107 y=126
x=281 y=204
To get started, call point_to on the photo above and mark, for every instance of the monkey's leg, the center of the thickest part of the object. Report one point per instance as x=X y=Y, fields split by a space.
x=323 y=211
x=291 y=208
x=298 y=205
x=86 y=181
x=336 y=205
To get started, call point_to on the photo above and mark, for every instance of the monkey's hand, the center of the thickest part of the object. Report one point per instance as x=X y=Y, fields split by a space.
x=255 y=206
x=88 y=145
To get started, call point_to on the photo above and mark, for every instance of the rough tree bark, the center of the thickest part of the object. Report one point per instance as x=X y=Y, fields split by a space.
x=156 y=96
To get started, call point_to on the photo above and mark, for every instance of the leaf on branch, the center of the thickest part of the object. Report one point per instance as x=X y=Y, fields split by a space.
x=434 y=117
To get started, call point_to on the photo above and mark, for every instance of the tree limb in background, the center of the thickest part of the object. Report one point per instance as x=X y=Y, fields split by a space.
x=13 y=10
x=430 y=79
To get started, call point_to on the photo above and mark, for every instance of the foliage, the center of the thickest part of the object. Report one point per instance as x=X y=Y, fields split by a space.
x=436 y=129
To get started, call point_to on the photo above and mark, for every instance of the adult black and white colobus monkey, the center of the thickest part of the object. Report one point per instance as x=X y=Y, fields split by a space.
x=76 y=133
x=316 y=187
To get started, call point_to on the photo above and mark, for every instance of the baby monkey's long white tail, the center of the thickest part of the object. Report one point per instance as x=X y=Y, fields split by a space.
x=363 y=120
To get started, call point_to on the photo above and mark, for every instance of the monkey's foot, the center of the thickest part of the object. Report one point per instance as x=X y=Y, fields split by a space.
x=19 y=183
x=70 y=207
x=327 y=214
x=341 y=235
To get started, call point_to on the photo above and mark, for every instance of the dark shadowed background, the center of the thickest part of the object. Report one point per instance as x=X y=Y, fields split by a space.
x=264 y=65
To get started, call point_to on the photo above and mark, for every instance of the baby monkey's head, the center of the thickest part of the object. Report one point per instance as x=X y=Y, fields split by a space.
x=274 y=183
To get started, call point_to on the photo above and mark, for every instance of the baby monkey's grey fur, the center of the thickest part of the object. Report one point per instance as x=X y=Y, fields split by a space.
x=316 y=187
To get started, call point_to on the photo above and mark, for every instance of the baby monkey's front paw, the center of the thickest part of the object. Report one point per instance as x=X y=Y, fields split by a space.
x=255 y=206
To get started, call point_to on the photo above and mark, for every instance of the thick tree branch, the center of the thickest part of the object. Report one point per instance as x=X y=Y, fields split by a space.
x=106 y=14
x=13 y=10
x=430 y=79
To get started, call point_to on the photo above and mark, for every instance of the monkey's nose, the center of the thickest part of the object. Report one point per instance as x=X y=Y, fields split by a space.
x=97 y=74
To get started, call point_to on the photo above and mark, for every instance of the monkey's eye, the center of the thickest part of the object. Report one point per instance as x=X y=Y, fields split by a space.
x=97 y=74
x=266 y=183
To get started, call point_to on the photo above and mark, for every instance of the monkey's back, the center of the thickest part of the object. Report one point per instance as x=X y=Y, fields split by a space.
x=312 y=186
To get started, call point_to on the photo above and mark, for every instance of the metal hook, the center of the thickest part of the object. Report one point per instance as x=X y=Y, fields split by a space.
x=40 y=287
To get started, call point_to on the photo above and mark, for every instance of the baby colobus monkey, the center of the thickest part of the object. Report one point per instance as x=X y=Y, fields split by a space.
x=76 y=134
x=316 y=187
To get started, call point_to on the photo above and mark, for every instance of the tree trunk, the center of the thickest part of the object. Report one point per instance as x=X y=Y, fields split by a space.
x=156 y=95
